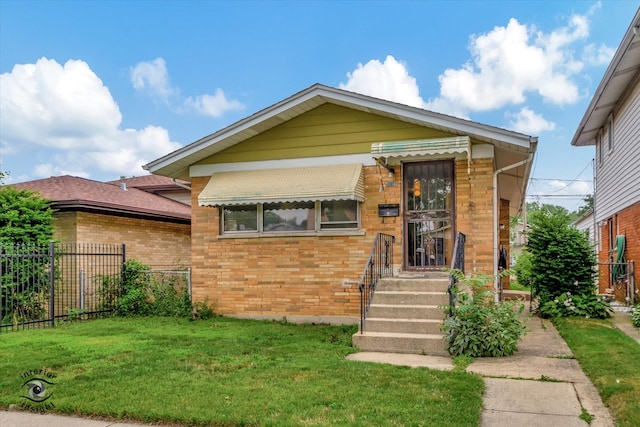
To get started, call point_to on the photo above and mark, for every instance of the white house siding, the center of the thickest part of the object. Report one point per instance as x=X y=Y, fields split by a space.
x=618 y=171
x=585 y=224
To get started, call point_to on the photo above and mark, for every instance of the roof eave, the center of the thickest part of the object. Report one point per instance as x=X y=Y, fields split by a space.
x=588 y=128
x=177 y=163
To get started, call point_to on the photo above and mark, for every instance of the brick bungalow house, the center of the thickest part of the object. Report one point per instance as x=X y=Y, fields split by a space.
x=612 y=125
x=287 y=202
x=155 y=229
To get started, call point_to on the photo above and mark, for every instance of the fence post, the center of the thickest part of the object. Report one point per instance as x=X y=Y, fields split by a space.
x=189 y=283
x=82 y=278
x=52 y=279
x=124 y=261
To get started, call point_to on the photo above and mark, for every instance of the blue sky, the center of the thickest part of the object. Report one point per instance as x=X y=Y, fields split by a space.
x=98 y=88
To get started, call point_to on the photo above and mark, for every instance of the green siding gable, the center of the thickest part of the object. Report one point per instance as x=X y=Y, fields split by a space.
x=327 y=130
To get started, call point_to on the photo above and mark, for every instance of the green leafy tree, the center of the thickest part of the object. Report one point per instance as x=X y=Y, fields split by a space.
x=26 y=219
x=562 y=258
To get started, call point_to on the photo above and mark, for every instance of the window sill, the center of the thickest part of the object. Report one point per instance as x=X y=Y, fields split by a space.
x=325 y=233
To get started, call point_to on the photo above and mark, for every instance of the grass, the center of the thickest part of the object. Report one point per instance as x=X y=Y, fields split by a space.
x=229 y=372
x=611 y=359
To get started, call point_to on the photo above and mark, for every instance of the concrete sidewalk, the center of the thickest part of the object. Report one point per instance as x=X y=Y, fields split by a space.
x=541 y=385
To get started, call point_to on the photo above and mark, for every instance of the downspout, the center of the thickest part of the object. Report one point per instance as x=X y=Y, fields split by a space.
x=496 y=216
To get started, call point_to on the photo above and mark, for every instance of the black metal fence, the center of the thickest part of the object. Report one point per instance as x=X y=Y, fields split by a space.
x=42 y=284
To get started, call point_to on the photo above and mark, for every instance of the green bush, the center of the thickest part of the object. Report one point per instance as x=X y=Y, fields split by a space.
x=562 y=258
x=635 y=316
x=148 y=294
x=522 y=268
x=567 y=305
x=478 y=327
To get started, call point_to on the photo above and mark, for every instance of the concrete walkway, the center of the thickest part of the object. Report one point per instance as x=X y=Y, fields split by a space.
x=541 y=385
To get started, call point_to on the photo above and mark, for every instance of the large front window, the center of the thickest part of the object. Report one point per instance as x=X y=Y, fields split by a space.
x=291 y=217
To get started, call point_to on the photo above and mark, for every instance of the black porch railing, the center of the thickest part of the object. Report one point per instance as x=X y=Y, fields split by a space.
x=457 y=263
x=379 y=264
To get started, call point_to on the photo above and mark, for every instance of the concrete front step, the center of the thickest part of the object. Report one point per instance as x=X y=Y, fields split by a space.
x=411 y=326
x=395 y=342
x=403 y=311
x=413 y=298
x=435 y=284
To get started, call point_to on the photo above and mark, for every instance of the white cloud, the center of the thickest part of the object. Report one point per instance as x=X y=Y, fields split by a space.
x=598 y=55
x=564 y=188
x=529 y=122
x=388 y=80
x=512 y=62
x=67 y=108
x=213 y=105
x=152 y=77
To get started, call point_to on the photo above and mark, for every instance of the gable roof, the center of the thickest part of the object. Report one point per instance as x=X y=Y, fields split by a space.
x=72 y=193
x=623 y=70
x=177 y=163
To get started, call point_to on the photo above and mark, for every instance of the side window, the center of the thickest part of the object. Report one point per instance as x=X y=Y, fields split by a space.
x=599 y=144
x=240 y=218
x=339 y=214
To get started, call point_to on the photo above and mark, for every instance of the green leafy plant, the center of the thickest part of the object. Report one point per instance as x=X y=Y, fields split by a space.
x=26 y=226
x=566 y=305
x=522 y=269
x=203 y=310
x=635 y=316
x=478 y=327
x=75 y=314
x=562 y=258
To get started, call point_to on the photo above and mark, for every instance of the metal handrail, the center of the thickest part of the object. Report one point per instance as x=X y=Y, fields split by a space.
x=379 y=264
x=457 y=263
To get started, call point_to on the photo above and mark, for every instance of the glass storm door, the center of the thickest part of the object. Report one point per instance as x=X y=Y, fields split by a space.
x=429 y=213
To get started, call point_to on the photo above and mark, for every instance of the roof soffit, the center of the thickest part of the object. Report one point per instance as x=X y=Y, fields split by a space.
x=623 y=71
x=176 y=164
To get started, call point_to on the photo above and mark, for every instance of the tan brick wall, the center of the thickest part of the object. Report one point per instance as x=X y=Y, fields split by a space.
x=277 y=276
x=158 y=244
x=317 y=276
x=474 y=204
x=627 y=223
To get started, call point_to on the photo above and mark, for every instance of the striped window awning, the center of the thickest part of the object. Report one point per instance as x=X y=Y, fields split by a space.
x=335 y=182
x=387 y=152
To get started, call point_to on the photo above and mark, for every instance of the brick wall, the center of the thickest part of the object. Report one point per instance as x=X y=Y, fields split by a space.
x=474 y=204
x=158 y=244
x=317 y=276
x=627 y=223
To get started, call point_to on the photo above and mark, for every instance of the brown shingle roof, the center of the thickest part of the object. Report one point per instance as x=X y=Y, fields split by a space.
x=74 y=193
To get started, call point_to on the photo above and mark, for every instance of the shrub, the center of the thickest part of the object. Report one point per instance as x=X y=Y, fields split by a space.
x=477 y=327
x=522 y=269
x=567 y=305
x=635 y=316
x=562 y=258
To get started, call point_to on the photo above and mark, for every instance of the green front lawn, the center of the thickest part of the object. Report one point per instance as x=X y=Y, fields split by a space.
x=611 y=359
x=229 y=372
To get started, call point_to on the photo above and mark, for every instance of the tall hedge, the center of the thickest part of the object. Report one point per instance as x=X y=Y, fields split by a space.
x=562 y=257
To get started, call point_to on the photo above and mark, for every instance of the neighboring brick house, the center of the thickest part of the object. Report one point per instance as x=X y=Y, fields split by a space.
x=155 y=230
x=612 y=124
x=286 y=201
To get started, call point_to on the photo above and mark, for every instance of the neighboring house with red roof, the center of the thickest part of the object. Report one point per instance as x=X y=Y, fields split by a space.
x=174 y=189
x=156 y=230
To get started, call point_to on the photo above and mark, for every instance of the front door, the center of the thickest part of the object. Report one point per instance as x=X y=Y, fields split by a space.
x=429 y=213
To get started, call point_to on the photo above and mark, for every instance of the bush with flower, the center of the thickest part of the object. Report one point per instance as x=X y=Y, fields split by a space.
x=585 y=305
